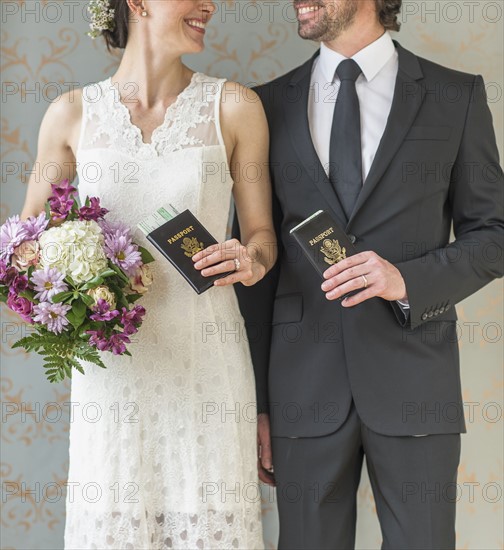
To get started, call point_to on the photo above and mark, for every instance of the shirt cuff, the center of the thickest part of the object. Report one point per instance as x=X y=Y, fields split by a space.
x=404 y=306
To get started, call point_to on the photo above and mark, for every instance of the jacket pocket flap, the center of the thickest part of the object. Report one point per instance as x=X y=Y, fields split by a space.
x=288 y=309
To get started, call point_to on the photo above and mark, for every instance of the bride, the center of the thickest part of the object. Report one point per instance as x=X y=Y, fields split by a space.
x=163 y=444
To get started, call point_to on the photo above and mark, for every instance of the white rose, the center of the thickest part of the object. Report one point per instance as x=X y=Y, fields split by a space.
x=74 y=248
x=103 y=292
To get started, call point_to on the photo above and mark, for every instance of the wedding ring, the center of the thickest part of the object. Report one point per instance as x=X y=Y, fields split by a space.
x=365 y=281
x=237 y=264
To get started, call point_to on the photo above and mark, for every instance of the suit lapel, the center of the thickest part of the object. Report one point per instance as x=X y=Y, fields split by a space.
x=296 y=120
x=408 y=97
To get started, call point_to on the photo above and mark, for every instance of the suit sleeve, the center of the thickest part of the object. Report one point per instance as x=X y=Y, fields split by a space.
x=445 y=276
x=256 y=306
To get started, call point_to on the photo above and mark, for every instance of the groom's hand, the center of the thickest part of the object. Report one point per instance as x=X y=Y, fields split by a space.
x=264 y=457
x=367 y=271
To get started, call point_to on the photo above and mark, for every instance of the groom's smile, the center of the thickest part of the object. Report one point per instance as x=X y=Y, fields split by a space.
x=324 y=20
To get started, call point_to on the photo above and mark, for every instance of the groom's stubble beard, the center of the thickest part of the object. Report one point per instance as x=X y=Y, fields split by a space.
x=330 y=21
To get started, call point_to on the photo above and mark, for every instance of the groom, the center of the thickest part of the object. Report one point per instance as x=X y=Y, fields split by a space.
x=395 y=161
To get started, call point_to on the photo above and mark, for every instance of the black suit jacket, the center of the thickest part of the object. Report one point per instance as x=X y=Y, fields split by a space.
x=437 y=165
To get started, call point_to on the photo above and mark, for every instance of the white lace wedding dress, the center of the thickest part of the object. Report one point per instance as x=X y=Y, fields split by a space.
x=163 y=443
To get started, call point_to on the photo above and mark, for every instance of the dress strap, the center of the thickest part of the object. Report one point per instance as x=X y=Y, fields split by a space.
x=218 y=100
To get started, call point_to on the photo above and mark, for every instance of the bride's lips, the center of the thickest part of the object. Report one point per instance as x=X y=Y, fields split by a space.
x=197 y=24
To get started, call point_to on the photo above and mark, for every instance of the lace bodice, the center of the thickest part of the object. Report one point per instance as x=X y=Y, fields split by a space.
x=192 y=120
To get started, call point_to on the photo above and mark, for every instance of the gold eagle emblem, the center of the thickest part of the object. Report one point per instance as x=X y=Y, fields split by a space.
x=332 y=251
x=192 y=246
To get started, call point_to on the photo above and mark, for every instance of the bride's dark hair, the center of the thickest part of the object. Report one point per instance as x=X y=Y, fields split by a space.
x=119 y=36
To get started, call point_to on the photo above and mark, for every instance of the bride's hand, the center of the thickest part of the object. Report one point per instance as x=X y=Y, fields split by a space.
x=229 y=256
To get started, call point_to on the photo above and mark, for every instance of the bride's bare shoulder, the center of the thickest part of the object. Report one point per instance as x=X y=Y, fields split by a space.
x=63 y=117
x=240 y=104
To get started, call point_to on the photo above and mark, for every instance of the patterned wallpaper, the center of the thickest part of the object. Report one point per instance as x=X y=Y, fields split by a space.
x=44 y=52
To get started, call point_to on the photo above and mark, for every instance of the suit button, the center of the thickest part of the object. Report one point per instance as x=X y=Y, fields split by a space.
x=441 y=310
x=447 y=307
x=352 y=238
x=424 y=317
x=431 y=314
x=437 y=312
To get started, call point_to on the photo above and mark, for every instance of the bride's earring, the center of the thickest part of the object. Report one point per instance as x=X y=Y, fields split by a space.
x=144 y=13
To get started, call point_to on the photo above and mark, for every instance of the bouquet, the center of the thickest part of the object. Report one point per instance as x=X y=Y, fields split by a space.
x=73 y=276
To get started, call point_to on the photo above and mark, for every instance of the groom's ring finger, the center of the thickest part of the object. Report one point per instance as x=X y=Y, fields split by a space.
x=357 y=283
x=365 y=281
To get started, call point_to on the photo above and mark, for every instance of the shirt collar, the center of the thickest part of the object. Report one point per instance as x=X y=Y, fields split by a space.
x=370 y=59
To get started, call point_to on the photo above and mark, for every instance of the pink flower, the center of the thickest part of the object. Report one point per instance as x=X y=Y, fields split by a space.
x=141 y=278
x=25 y=255
x=22 y=306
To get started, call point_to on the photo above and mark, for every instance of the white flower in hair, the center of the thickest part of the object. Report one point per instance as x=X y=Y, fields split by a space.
x=102 y=17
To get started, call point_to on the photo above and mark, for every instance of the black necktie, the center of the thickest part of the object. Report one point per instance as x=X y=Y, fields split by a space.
x=345 y=155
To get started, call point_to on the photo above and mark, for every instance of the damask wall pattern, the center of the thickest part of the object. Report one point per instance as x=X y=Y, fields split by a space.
x=44 y=52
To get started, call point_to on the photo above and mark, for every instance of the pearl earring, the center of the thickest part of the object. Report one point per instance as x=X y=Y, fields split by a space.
x=144 y=13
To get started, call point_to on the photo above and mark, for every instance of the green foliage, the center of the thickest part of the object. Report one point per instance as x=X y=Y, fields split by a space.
x=61 y=353
x=119 y=272
x=147 y=257
x=77 y=314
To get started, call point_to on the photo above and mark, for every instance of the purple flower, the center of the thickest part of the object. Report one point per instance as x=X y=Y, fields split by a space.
x=134 y=315
x=7 y=273
x=98 y=340
x=102 y=311
x=117 y=343
x=48 y=282
x=51 y=315
x=132 y=319
x=122 y=252
x=35 y=225
x=92 y=212
x=61 y=201
x=19 y=283
x=22 y=306
x=12 y=233
x=116 y=229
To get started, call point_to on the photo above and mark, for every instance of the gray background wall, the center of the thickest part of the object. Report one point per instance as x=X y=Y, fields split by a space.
x=43 y=47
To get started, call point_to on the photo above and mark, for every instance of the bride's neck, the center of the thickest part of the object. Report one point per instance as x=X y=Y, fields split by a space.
x=154 y=76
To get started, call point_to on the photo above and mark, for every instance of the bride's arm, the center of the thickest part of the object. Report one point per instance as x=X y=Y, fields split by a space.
x=55 y=159
x=245 y=132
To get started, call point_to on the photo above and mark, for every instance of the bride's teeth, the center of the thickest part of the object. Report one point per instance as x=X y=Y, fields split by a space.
x=308 y=9
x=198 y=24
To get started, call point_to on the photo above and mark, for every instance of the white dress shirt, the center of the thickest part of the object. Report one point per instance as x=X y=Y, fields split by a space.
x=379 y=63
x=375 y=88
